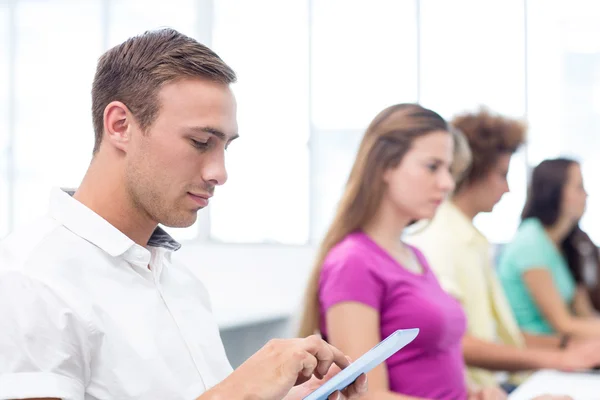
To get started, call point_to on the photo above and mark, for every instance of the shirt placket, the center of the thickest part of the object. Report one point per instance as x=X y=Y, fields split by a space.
x=195 y=350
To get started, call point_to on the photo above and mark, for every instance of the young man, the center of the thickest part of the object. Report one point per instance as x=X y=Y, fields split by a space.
x=91 y=304
x=459 y=254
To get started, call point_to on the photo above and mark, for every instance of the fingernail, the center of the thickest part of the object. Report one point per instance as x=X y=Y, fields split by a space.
x=338 y=396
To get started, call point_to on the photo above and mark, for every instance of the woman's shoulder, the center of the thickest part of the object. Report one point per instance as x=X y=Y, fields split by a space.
x=356 y=252
x=354 y=246
x=530 y=233
x=530 y=245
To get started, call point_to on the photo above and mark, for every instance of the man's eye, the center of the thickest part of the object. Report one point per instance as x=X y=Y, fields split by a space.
x=199 y=145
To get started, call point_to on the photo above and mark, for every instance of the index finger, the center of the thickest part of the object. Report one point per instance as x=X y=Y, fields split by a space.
x=339 y=358
x=325 y=354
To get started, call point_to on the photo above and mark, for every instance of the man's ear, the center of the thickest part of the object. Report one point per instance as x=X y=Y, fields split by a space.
x=117 y=125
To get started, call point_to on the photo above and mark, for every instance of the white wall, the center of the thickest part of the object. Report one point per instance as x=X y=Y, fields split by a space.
x=249 y=281
x=256 y=290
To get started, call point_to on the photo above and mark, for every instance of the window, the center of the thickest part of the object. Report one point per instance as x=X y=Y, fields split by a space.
x=564 y=90
x=364 y=64
x=266 y=197
x=4 y=117
x=128 y=18
x=333 y=156
x=363 y=59
x=310 y=81
x=468 y=62
x=57 y=44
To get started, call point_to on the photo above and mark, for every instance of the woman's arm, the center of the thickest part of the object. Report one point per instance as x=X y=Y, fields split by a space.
x=582 y=305
x=353 y=328
x=500 y=357
x=542 y=341
x=541 y=286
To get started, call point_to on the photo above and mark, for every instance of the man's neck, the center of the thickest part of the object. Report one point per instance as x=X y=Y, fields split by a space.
x=464 y=202
x=103 y=191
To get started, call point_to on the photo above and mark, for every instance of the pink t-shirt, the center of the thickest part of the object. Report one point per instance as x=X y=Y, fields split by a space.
x=432 y=366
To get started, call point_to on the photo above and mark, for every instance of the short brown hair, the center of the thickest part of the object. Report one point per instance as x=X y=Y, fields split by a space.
x=133 y=72
x=489 y=136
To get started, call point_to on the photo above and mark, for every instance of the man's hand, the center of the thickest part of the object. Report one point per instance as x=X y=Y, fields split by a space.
x=358 y=388
x=280 y=365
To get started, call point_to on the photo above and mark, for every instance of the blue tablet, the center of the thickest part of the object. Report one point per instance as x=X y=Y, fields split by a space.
x=365 y=363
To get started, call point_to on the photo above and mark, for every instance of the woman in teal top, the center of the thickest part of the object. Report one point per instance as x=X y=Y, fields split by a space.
x=541 y=269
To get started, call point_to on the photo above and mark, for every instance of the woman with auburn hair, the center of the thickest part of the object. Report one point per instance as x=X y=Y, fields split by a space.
x=367 y=282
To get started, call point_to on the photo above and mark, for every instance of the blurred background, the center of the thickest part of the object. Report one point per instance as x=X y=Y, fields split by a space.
x=312 y=74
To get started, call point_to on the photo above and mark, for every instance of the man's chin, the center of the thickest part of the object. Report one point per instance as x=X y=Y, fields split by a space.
x=181 y=222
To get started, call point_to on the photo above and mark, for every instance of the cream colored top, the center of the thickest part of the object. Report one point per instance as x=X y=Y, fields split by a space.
x=460 y=257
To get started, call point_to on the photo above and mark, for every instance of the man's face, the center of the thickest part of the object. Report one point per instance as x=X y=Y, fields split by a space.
x=173 y=168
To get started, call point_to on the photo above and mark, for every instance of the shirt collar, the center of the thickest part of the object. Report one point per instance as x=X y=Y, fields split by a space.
x=461 y=225
x=90 y=226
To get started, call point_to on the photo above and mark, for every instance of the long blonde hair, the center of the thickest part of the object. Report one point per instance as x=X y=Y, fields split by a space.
x=387 y=139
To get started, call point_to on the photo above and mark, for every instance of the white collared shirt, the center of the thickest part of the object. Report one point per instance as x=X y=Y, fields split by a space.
x=86 y=313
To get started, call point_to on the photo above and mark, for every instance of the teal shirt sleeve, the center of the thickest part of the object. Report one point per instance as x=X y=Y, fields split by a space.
x=533 y=250
x=536 y=251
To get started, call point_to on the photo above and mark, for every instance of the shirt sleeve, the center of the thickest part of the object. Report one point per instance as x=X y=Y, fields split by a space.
x=531 y=254
x=43 y=345
x=351 y=278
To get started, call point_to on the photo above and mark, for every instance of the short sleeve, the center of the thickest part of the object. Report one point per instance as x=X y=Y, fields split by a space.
x=350 y=278
x=441 y=258
x=531 y=251
x=43 y=345
x=530 y=258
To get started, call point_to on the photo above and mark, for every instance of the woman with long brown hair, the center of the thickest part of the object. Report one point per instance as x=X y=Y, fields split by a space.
x=367 y=283
x=543 y=270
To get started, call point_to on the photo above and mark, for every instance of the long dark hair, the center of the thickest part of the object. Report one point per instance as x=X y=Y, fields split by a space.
x=544 y=203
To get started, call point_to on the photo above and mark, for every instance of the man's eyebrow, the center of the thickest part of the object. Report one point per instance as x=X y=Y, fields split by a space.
x=213 y=131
